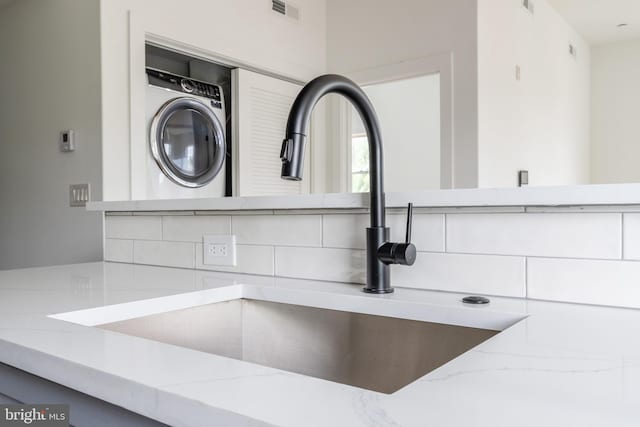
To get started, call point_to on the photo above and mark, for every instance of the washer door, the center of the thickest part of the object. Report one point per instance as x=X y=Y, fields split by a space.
x=187 y=142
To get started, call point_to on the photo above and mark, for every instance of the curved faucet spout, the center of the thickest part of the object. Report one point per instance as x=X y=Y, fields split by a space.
x=293 y=146
x=380 y=252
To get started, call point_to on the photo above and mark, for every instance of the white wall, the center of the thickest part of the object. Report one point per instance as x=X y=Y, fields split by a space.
x=365 y=34
x=245 y=31
x=49 y=81
x=615 y=128
x=541 y=122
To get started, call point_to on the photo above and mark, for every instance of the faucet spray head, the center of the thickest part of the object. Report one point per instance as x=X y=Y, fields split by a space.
x=292 y=156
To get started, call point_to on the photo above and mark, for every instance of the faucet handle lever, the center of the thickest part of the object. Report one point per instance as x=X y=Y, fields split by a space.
x=409 y=222
x=400 y=253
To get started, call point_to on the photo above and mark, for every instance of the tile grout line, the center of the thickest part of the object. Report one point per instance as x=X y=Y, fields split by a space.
x=193 y=255
x=622 y=236
x=526 y=277
x=444 y=222
x=133 y=253
x=273 y=260
x=231 y=226
x=360 y=249
x=532 y=256
x=162 y=227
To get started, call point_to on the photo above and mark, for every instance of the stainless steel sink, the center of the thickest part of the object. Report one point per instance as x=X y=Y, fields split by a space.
x=373 y=352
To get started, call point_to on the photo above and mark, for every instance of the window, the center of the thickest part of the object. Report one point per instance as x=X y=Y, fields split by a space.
x=359 y=163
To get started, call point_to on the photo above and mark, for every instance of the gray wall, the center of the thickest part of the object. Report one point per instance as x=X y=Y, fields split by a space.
x=49 y=82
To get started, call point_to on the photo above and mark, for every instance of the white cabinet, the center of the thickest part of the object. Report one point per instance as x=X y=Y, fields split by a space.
x=17 y=386
x=262 y=105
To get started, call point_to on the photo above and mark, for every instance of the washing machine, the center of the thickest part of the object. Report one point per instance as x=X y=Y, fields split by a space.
x=186 y=147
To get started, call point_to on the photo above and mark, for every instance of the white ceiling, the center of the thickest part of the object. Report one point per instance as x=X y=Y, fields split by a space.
x=597 y=20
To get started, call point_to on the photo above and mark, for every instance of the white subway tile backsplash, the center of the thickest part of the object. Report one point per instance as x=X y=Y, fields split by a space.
x=579 y=235
x=477 y=274
x=344 y=231
x=614 y=283
x=337 y=265
x=192 y=228
x=170 y=254
x=118 y=250
x=631 y=237
x=249 y=260
x=286 y=230
x=570 y=254
x=348 y=231
x=133 y=227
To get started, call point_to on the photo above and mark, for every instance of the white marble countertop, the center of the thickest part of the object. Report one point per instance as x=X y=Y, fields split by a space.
x=561 y=365
x=579 y=195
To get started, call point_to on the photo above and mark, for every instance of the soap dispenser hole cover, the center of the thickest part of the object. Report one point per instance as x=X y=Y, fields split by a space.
x=475 y=300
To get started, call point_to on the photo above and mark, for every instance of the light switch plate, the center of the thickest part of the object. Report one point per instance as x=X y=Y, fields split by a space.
x=79 y=195
x=219 y=250
x=67 y=141
x=523 y=178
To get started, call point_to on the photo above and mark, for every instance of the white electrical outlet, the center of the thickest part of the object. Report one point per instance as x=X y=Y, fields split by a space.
x=219 y=250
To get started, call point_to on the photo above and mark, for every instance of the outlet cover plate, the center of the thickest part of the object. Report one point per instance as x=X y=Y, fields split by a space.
x=219 y=250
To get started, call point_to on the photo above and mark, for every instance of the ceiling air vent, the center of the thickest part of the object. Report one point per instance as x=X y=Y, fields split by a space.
x=528 y=4
x=285 y=9
x=279 y=6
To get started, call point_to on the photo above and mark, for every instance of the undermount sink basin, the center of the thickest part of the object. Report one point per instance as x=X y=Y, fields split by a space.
x=368 y=351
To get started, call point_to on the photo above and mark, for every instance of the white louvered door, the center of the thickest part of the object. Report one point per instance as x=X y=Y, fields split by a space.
x=262 y=106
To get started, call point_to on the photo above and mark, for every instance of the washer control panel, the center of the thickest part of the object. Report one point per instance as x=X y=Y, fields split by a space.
x=186 y=85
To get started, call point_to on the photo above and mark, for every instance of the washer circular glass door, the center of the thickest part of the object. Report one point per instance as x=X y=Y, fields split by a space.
x=187 y=142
